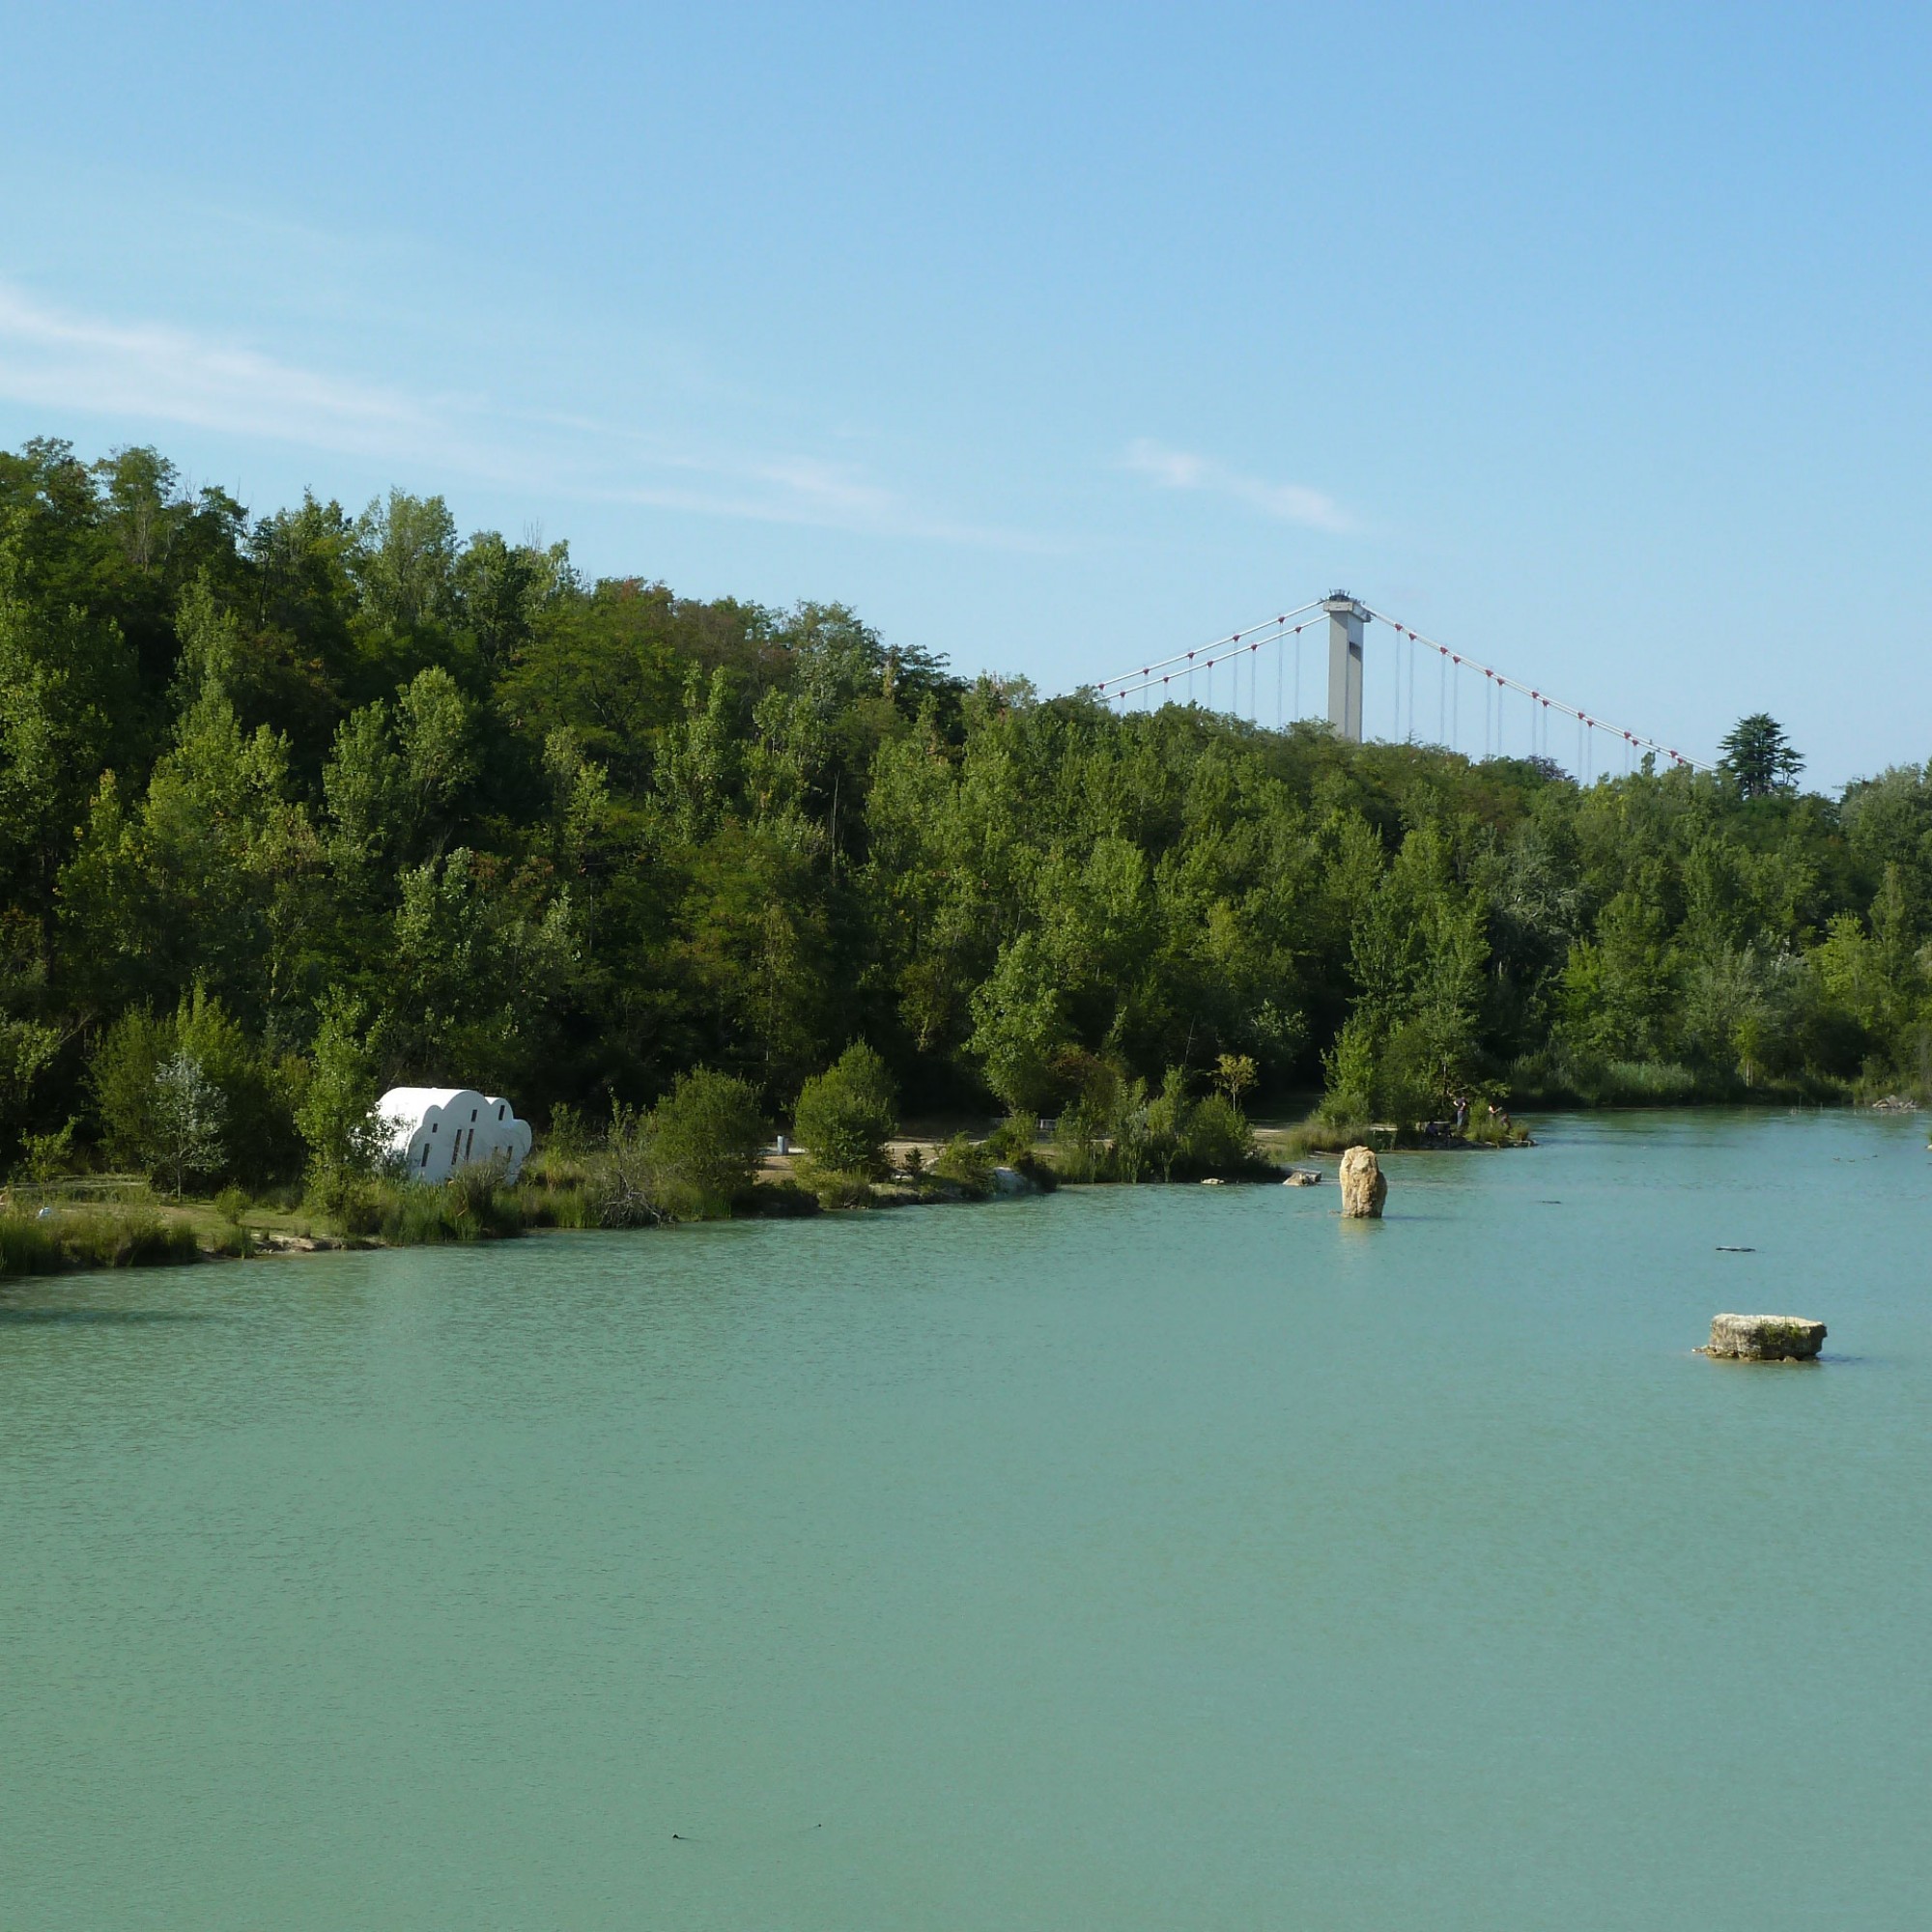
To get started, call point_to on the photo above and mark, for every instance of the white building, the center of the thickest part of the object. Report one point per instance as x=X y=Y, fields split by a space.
x=434 y=1130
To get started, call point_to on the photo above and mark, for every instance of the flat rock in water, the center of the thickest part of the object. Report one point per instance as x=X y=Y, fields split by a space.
x=1765 y=1338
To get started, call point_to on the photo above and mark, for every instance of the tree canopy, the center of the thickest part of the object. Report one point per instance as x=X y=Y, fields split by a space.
x=296 y=805
x=1760 y=758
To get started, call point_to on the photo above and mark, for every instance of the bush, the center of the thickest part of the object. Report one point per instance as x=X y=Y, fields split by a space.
x=569 y=1137
x=690 y=1158
x=336 y=1116
x=479 y=1203
x=1217 y=1138
x=1134 y=1150
x=186 y=1096
x=1168 y=1114
x=624 y=1189
x=1012 y=1141
x=121 y=1072
x=48 y=1157
x=846 y=1114
x=1080 y=1149
x=965 y=1164
x=703 y=1143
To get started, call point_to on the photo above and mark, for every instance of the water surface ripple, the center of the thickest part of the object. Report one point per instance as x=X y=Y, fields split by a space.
x=1136 y=1558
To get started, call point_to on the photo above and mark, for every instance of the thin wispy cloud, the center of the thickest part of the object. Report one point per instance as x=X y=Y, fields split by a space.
x=149 y=371
x=1286 y=502
x=144 y=373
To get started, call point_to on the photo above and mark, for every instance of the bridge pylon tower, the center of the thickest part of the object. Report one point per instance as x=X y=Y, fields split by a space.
x=1346 y=618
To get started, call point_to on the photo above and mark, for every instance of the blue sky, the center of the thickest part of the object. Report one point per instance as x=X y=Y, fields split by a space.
x=1591 y=340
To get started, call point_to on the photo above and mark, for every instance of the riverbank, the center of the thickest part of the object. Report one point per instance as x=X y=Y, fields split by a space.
x=117 y=1221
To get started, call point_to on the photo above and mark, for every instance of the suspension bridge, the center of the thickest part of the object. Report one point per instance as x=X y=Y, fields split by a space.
x=1518 y=720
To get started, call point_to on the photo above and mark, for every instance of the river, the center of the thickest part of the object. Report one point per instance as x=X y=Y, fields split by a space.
x=1132 y=1559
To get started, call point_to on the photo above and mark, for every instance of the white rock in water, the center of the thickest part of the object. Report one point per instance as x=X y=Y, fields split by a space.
x=1765 y=1338
x=1364 y=1185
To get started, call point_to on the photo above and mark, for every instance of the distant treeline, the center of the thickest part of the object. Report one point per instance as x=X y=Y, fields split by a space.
x=296 y=805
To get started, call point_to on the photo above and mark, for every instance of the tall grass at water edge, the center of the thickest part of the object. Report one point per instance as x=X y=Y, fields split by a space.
x=32 y=1245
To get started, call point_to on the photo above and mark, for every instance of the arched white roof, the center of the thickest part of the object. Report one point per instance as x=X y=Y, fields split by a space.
x=419 y=1100
x=414 y=1119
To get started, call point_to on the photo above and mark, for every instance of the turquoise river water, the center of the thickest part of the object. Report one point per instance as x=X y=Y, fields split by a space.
x=1150 y=1558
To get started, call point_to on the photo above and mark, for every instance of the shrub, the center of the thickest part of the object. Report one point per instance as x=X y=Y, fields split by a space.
x=477 y=1202
x=186 y=1096
x=569 y=1137
x=1168 y=1114
x=1217 y=1138
x=1012 y=1141
x=121 y=1072
x=1080 y=1150
x=846 y=1114
x=336 y=1114
x=48 y=1157
x=690 y=1158
x=965 y=1164
x=186 y=1120
x=1134 y=1149
x=623 y=1190
x=702 y=1144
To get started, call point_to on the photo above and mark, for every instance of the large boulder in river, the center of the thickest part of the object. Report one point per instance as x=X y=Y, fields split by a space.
x=1364 y=1185
x=1765 y=1338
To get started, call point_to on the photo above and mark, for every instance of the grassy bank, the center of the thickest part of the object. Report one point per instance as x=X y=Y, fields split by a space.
x=43 y=1232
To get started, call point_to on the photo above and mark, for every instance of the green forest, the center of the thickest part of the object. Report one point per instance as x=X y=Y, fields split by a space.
x=301 y=804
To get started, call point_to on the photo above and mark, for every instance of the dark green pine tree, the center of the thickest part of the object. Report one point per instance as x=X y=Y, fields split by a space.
x=1760 y=758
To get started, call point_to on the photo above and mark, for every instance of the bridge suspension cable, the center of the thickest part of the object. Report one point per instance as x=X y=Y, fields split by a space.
x=1161 y=675
x=1204 y=657
x=1503 y=682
